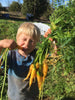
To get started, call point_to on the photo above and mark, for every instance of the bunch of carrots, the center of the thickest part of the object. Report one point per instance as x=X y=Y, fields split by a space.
x=36 y=71
x=39 y=72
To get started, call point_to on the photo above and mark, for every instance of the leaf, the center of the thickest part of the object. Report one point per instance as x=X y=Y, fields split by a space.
x=66 y=42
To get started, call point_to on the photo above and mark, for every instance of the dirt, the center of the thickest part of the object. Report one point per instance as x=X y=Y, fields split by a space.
x=46 y=98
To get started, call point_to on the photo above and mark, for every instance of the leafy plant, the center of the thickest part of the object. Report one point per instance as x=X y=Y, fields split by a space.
x=60 y=79
x=8 y=29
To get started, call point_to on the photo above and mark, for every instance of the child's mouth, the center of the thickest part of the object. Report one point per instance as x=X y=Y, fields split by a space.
x=25 y=49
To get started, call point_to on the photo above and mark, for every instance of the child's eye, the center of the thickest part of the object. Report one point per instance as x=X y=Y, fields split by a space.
x=24 y=39
x=31 y=41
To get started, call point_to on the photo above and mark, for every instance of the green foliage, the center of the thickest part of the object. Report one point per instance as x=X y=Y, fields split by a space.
x=0 y=5
x=60 y=82
x=4 y=57
x=15 y=6
x=36 y=7
x=24 y=9
x=47 y=12
x=8 y=29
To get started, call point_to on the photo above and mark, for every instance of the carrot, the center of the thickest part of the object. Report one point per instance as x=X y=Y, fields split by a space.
x=19 y=47
x=40 y=85
x=45 y=70
x=29 y=73
x=40 y=81
x=37 y=65
x=33 y=75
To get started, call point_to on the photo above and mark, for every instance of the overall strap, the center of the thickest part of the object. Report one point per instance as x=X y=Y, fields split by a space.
x=13 y=57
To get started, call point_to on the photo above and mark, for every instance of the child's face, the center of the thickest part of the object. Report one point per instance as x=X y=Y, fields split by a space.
x=26 y=42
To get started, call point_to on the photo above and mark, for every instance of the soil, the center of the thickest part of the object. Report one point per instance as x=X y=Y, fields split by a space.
x=46 y=98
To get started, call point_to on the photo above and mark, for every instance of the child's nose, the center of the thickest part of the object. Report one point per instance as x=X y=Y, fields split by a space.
x=27 y=44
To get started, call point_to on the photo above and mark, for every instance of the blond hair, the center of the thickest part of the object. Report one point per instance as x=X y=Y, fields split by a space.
x=30 y=29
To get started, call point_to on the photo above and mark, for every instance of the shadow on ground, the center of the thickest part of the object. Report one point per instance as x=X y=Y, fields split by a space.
x=13 y=18
x=24 y=19
x=68 y=98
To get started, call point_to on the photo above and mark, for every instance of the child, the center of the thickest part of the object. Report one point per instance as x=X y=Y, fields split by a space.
x=19 y=61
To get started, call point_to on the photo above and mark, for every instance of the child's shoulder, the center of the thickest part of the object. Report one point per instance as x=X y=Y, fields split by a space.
x=12 y=51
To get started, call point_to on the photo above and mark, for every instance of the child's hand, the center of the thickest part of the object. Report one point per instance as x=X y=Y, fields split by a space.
x=8 y=43
x=48 y=32
x=12 y=44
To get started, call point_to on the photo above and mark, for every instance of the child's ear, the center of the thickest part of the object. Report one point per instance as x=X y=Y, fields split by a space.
x=17 y=40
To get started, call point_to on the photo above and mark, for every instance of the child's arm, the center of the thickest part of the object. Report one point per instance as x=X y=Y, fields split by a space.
x=7 y=43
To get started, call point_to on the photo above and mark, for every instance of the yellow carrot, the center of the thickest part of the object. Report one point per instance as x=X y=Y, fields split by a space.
x=40 y=81
x=33 y=75
x=45 y=70
x=19 y=47
x=29 y=73
x=40 y=85
x=37 y=65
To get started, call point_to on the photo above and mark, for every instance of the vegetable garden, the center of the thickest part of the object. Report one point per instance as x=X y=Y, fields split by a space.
x=59 y=83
